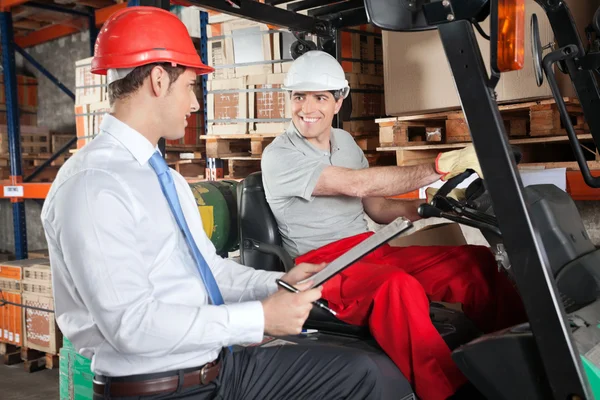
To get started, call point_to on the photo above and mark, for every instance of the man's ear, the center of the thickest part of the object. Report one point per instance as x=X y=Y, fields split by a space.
x=338 y=105
x=159 y=81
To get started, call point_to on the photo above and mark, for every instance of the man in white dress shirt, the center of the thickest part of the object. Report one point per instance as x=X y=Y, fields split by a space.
x=128 y=290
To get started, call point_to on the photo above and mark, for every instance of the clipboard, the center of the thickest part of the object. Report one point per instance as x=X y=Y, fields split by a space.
x=400 y=226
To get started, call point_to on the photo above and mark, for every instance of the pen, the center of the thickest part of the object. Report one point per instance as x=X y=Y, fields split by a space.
x=292 y=289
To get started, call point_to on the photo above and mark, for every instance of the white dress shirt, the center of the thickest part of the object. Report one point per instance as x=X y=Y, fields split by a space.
x=127 y=291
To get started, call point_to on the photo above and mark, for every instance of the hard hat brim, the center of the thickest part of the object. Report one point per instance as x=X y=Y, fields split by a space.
x=315 y=87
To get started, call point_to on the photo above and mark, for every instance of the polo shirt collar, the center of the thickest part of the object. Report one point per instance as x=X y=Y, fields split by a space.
x=305 y=146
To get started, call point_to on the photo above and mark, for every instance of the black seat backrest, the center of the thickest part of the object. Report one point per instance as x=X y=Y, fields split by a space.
x=256 y=222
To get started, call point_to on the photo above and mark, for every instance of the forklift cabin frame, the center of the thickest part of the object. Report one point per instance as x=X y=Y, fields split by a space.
x=455 y=21
x=538 y=289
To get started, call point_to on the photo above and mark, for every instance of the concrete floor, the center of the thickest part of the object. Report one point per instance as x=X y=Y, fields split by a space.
x=16 y=384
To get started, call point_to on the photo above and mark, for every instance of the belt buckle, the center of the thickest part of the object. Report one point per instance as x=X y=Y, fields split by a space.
x=203 y=373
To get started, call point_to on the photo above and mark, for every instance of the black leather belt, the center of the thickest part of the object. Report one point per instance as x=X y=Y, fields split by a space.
x=167 y=384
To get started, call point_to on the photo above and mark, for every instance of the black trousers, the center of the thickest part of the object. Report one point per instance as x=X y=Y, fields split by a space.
x=291 y=372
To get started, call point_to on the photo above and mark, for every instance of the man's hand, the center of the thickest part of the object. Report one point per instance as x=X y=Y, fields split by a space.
x=285 y=312
x=301 y=272
x=452 y=163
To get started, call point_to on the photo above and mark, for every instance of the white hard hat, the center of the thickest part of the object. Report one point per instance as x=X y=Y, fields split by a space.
x=316 y=71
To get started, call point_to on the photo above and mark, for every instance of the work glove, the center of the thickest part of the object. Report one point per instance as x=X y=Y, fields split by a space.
x=457 y=194
x=452 y=163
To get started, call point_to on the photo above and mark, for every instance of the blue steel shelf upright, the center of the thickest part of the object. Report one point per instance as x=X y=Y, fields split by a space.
x=9 y=47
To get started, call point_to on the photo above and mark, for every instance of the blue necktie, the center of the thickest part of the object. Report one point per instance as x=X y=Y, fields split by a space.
x=168 y=187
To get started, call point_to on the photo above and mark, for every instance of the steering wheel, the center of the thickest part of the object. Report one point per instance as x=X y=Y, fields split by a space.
x=475 y=189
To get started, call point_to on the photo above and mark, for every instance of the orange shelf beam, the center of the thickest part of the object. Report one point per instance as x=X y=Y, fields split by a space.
x=30 y=190
x=6 y=5
x=576 y=187
x=59 y=30
x=45 y=34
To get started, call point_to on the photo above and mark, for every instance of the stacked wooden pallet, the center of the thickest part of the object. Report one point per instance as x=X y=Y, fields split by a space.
x=534 y=127
x=246 y=105
x=36 y=141
x=29 y=330
x=245 y=101
x=27 y=99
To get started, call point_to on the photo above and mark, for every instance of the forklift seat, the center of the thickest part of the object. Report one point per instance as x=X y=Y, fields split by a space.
x=261 y=248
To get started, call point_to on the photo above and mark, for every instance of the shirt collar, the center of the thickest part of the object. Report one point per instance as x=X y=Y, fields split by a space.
x=132 y=140
x=305 y=146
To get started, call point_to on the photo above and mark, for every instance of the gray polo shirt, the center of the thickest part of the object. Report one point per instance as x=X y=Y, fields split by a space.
x=291 y=167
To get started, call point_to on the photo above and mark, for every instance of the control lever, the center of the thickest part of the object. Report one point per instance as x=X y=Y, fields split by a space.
x=450 y=204
x=426 y=210
x=564 y=53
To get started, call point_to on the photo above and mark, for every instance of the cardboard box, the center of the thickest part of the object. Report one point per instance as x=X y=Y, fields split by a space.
x=445 y=234
x=252 y=104
x=418 y=78
x=89 y=88
x=11 y=319
x=26 y=91
x=41 y=332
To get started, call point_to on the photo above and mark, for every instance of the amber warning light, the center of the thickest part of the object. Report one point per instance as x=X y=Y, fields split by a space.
x=511 y=35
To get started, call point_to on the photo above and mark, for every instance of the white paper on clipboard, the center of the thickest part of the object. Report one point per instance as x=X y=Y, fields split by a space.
x=400 y=226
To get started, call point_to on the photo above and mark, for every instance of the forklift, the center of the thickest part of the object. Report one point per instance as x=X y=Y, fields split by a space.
x=536 y=231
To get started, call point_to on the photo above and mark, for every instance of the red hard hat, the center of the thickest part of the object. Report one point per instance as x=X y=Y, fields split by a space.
x=136 y=36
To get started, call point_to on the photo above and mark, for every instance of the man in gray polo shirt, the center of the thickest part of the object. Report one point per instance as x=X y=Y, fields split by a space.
x=319 y=186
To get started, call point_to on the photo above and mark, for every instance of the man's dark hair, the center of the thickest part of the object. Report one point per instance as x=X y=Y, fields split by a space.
x=133 y=81
x=337 y=94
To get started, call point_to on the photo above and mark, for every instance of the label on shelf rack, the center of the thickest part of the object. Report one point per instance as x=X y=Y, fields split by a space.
x=13 y=191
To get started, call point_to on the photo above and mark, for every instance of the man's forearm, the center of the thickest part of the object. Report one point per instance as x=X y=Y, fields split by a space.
x=391 y=181
x=384 y=211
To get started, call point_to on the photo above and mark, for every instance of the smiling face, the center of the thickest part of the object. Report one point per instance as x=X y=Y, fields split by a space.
x=313 y=112
x=178 y=104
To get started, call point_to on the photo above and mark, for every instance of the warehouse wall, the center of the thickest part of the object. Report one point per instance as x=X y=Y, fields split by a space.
x=55 y=109
x=35 y=233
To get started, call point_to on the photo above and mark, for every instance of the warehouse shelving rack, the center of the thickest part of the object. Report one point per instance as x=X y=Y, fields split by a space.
x=324 y=18
x=19 y=188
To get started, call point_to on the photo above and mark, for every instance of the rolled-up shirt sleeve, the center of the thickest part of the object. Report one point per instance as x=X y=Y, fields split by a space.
x=94 y=226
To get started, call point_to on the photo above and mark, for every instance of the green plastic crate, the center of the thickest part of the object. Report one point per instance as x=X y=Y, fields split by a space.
x=593 y=374
x=76 y=377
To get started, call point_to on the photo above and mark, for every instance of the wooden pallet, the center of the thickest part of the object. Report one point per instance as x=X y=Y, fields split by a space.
x=47 y=175
x=367 y=143
x=235 y=146
x=33 y=360
x=536 y=151
x=59 y=140
x=239 y=168
x=35 y=160
x=10 y=354
x=34 y=140
x=527 y=119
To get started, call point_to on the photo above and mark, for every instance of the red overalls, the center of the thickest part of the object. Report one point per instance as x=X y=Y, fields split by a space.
x=390 y=290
